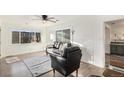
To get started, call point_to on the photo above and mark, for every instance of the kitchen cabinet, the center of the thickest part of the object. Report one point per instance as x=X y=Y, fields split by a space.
x=117 y=49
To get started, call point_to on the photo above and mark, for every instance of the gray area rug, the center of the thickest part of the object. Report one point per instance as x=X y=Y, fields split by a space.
x=38 y=65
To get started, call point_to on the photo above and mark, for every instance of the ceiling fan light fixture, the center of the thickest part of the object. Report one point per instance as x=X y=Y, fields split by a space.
x=44 y=21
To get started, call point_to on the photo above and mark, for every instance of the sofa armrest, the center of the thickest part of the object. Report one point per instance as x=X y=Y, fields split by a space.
x=54 y=54
x=57 y=59
x=49 y=46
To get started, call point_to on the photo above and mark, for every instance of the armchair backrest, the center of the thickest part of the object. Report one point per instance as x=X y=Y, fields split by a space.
x=73 y=56
x=68 y=50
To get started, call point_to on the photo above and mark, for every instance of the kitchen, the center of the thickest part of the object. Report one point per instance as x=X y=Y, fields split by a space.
x=114 y=44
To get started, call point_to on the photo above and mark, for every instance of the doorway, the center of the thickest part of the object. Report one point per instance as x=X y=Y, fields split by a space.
x=114 y=45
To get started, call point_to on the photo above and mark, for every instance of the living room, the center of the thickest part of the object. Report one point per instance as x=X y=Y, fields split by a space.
x=86 y=32
x=66 y=52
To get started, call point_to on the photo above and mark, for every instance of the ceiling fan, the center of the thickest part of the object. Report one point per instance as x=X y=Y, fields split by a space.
x=46 y=18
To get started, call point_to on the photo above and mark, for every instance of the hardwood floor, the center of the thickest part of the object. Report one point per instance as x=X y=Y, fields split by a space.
x=115 y=60
x=114 y=65
x=19 y=69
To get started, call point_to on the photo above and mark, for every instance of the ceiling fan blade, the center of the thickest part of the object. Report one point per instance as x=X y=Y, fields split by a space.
x=36 y=19
x=52 y=21
x=39 y=16
x=57 y=20
x=51 y=18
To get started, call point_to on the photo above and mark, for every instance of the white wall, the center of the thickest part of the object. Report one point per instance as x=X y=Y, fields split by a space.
x=0 y=39
x=119 y=31
x=0 y=43
x=84 y=27
x=9 y=49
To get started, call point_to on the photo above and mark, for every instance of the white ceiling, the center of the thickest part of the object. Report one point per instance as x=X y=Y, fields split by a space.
x=28 y=18
x=116 y=23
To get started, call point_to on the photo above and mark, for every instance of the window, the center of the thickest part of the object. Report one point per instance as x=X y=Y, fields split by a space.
x=38 y=38
x=15 y=37
x=59 y=36
x=63 y=35
x=66 y=35
x=32 y=37
x=25 y=37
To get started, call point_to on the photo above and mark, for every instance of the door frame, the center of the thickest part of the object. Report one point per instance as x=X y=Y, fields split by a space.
x=0 y=44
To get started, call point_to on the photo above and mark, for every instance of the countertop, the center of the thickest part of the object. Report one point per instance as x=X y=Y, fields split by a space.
x=117 y=43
